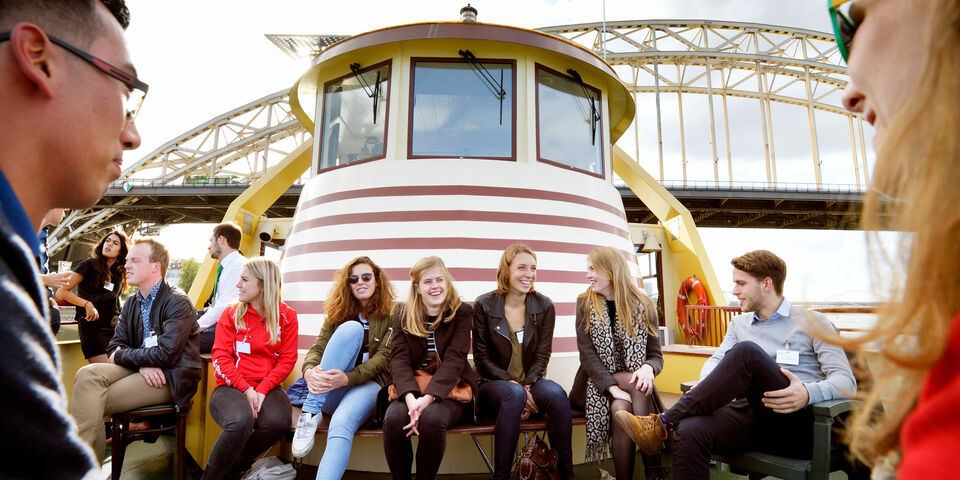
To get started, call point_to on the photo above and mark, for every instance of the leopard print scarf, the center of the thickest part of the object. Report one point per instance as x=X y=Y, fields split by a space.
x=618 y=354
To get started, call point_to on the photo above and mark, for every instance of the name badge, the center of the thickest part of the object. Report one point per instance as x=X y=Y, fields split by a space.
x=243 y=347
x=108 y=286
x=150 y=341
x=520 y=336
x=788 y=357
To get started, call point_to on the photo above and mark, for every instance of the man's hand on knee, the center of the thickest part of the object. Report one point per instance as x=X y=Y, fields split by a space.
x=153 y=376
x=789 y=399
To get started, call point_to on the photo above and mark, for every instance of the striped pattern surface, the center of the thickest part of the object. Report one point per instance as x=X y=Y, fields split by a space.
x=464 y=211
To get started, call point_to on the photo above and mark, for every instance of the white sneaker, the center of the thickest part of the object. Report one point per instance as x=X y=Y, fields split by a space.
x=306 y=431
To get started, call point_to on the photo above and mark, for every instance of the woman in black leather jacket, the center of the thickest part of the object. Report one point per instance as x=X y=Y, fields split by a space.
x=512 y=342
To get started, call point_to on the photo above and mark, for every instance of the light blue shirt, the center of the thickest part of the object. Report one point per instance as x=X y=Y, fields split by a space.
x=146 y=305
x=823 y=366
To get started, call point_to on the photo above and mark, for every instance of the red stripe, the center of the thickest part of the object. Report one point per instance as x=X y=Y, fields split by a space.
x=457 y=215
x=432 y=243
x=315 y=307
x=560 y=344
x=459 y=274
x=477 y=190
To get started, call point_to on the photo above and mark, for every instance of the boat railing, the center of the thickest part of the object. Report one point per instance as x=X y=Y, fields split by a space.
x=716 y=320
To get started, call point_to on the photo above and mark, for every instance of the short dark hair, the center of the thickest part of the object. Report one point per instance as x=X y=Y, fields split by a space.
x=761 y=264
x=231 y=232
x=77 y=17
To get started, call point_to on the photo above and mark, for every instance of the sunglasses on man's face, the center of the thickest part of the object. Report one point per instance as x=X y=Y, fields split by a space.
x=843 y=27
x=352 y=279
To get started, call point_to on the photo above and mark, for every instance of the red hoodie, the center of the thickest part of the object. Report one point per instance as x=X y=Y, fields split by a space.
x=267 y=364
x=930 y=436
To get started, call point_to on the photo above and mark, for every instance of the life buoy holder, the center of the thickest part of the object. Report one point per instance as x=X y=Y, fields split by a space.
x=692 y=327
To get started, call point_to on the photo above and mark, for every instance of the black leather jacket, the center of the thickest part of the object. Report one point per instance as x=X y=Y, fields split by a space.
x=492 y=348
x=174 y=321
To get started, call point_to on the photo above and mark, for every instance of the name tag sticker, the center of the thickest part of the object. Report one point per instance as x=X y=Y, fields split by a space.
x=108 y=286
x=520 y=336
x=788 y=357
x=243 y=347
x=150 y=341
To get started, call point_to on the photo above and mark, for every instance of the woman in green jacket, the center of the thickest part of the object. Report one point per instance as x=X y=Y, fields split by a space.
x=348 y=364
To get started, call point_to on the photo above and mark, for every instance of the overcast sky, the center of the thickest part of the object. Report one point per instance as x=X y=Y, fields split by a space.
x=203 y=58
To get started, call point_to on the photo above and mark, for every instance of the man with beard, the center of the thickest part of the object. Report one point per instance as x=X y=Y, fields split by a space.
x=223 y=247
x=768 y=363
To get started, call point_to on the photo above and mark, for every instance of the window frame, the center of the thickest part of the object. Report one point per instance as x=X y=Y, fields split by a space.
x=600 y=127
x=386 y=116
x=513 y=105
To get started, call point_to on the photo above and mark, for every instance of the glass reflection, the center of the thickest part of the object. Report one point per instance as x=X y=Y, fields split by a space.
x=569 y=133
x=457 y=114
x=351 y=132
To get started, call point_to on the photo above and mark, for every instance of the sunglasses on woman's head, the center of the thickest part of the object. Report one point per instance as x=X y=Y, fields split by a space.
x=843 y=27
x=352 y=279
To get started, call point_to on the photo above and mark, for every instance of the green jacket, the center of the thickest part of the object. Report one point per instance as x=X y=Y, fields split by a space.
x=377 y=367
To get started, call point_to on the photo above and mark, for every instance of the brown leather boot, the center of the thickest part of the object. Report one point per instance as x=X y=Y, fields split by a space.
x=647 y=432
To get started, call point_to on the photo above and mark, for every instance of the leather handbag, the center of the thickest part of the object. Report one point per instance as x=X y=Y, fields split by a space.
x=460 y=393
x=537 y=462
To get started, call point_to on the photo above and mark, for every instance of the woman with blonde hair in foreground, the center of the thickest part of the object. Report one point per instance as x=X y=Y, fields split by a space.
x=904 y=69
x=255 y=349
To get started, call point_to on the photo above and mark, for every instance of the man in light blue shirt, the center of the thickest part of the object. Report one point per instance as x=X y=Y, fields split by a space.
x=769 y=364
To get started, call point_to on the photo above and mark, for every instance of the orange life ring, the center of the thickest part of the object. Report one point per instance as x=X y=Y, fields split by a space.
x=694 y=326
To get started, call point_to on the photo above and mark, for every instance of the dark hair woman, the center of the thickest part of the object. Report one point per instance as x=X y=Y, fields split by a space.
x=620 y=355
x=432 y=334
x=512 y=343
x=348 y=364
x=99 y=280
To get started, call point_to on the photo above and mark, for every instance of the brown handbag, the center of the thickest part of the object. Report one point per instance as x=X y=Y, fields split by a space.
x=537 y=462
x=460 y=393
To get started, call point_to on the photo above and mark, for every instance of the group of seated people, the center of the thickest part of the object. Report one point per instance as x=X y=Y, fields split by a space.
x=417 y=350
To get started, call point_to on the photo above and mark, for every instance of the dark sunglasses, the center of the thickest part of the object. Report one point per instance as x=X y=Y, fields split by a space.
x=137 y=89
x=843 y=27
x=352 y=279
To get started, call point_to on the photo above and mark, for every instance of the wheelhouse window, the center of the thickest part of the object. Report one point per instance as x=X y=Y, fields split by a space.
x=462 y=108
x=354 y=116
x=569 y=129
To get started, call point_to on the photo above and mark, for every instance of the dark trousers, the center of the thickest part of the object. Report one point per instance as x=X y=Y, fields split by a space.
x=244 y=438
x=433 y=425
x=506 y=400
x=708 y=422
x=205 y=339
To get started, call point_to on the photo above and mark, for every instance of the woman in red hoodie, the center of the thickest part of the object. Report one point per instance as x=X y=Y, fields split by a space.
x=255 y=349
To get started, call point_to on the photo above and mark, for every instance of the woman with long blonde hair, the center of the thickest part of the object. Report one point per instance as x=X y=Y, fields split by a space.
x=348 y=363
x=905 y=80
x=430 y=345
x=255 y=349
x=619 y=358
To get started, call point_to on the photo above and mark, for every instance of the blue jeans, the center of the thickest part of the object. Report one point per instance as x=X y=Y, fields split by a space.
x=508 y=400
x=348 y=407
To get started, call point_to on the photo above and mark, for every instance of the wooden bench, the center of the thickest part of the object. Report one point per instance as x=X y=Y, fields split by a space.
x=526 y=427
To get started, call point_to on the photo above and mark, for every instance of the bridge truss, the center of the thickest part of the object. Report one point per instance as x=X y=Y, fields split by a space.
x=193 y=177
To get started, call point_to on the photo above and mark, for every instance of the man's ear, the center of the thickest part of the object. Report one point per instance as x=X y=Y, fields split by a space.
x=32 y=51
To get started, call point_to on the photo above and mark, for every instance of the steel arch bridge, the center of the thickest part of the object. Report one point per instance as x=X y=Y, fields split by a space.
x=193 y=177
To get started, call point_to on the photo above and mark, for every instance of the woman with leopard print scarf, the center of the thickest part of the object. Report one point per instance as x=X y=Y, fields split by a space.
x=620 y=356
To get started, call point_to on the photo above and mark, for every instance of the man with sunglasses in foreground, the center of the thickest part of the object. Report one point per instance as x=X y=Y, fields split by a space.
x=224 y=245
x=69 y=96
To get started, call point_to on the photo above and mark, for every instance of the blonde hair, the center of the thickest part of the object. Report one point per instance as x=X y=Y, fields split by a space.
x=414 y=313
x=626 y=294
x=503 y=270
x=917 y=166
x=267 y=274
